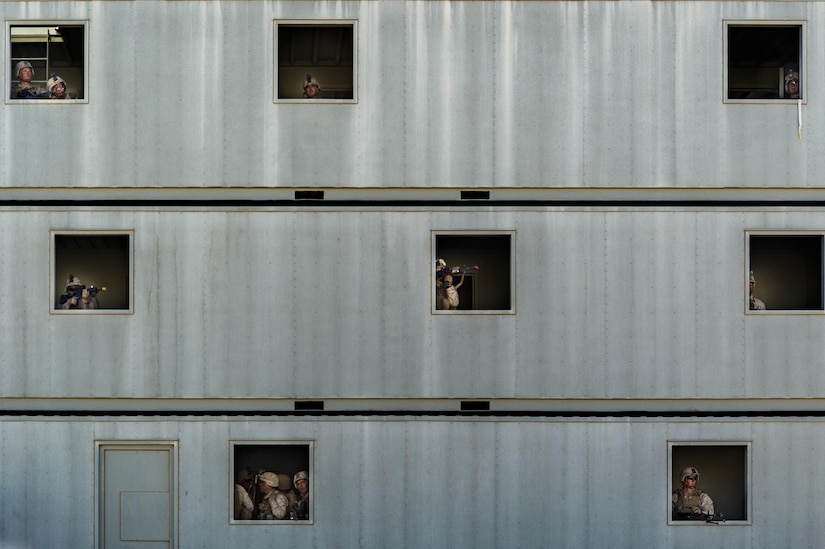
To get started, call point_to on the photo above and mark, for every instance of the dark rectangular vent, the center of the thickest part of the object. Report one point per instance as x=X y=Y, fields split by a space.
x=309 y=195
x=475 y=195
x=301 y=405
x=475 y=405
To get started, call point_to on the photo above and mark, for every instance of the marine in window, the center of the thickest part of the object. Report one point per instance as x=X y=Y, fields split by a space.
x=316 y=61
x=764 y=60
x=47 y=61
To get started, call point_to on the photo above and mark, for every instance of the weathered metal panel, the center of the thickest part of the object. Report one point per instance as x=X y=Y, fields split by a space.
x=450 y=94
x=274 y=303
x=414 y=482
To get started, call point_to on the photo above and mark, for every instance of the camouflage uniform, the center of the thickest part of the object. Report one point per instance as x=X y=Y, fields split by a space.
x=696 y=503
x=275 y=504
x=273 y=507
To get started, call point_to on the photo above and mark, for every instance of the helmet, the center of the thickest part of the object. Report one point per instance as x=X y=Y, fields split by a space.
x=689 y=472
x=284 y=483
x=300 y=475
x=53 y=80
x=269 y=478
x=73 y=281
x=244 y=473
x=22 y=65
x=310 y=81
x=792 y=75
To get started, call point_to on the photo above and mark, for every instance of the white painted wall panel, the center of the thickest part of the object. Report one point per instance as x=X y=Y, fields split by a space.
x=450 y=94
x=273 y=303
x=413 y=482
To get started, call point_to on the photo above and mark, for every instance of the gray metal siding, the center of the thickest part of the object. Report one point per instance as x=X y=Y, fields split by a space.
x=336 y=304
x=438 y=483
x=450 y=94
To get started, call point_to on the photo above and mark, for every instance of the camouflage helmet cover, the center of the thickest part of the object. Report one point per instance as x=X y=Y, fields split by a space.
x=22 y=65
x=53 y=81
x=269 y=478
x=300 y=475
x=689 y=472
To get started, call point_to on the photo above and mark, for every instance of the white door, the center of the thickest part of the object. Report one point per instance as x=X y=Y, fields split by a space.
x=136 y=506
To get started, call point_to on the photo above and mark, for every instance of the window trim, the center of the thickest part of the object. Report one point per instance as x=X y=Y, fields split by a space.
x=434 y=234
x=315 y=23
x=10 y=78
x=309 y=443
x=53 y=280
x=726 y=23
x=748 y=466
x=746 y=279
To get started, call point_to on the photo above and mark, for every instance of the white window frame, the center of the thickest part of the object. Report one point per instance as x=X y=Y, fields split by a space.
x=55 y=277
x=748 y=264
x=233 y=467
x=276 y=23
x=803 y=86
x=12 y=78
x=480 y=234
x=748 y=481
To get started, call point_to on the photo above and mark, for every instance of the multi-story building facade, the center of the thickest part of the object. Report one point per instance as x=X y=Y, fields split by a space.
x=615 y=170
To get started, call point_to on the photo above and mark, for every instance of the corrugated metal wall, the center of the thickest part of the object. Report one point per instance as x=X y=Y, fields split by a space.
x=232 y=308
x=451 y=94
x=415 y=483
x=337 y=304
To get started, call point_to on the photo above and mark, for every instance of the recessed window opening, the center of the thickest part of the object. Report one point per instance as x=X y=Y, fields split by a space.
x=764 y=61
x=785 y=272
x=473 y=272
x=47 y=61
x=92 y=272
x=316 y=60
x=709 y=483
x=271 y=483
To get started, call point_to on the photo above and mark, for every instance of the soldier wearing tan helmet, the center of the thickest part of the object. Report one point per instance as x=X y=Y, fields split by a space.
x=688 y=503
x=24 y=88
x=755 y=304
x=312 y=89
x=792 y=84
x=300 y=508
x=274 y=505
x=243 y=503
x=77 y=296
x=57 y=87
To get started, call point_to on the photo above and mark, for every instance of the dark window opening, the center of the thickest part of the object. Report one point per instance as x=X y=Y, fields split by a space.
x=92 y=271
x=321 y=55
x=478 y=268
x=56 y=55
x=266 y=483
x=763 y=61
x=722 y=475
x=787 y=271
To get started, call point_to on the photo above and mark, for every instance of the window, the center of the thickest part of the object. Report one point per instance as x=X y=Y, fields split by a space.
x=316 y=60
x=55 y=53
x=723 y=475
x=271 y=482
x=92 y=272
x=473 y=272
x=786 y=270
x=764 y=60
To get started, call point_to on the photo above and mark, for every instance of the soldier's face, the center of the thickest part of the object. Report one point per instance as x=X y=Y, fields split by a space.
x=302 y=485
x=25 y=74
x=312 y=91
x=689 y=482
